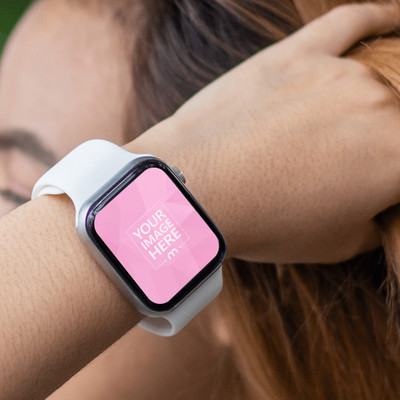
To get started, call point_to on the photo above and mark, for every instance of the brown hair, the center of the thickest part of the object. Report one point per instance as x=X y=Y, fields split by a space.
x=297 y=331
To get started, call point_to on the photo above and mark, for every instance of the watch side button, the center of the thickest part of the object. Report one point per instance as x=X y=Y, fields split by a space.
x=178 y=173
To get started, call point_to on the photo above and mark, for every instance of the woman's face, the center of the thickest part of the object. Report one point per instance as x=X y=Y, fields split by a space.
x=64 y=78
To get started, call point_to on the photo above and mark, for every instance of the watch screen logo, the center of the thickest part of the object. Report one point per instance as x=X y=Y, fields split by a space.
x=158 y=236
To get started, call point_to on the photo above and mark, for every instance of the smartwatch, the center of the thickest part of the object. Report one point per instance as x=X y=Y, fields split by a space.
x=144 y=228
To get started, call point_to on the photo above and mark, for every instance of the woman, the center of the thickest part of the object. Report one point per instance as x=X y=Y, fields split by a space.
x=289 y=325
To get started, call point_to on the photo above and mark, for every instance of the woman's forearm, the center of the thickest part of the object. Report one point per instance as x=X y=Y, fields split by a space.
x=57 y=309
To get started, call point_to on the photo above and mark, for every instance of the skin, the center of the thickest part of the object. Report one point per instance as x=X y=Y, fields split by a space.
x=328 y=219
x=60 y=120
x=83 y=41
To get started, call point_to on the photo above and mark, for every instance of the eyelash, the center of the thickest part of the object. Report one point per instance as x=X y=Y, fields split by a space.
x=15 y=198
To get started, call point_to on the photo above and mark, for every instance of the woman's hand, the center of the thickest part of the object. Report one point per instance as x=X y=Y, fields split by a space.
x=295 y=151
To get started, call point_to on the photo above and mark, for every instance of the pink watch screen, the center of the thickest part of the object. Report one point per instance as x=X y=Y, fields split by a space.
x=157 y=235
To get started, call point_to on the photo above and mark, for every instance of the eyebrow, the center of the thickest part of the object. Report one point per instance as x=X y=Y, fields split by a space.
x=29 y=144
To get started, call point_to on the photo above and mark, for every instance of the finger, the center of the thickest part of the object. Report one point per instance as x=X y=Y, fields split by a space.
x=342 y=27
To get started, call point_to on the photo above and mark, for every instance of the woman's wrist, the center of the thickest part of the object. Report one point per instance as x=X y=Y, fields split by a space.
x=170 y=141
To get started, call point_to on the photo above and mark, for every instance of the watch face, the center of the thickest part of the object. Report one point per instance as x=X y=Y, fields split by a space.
x=156 y=235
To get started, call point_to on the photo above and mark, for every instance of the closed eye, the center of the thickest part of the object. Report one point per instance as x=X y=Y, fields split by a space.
x=15 y=198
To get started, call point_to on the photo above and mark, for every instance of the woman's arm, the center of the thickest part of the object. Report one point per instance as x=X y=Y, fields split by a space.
x=292 y=159
x=144 y=366
x=57 y=309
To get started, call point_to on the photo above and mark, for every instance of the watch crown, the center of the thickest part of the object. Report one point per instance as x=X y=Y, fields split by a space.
x=178 y=173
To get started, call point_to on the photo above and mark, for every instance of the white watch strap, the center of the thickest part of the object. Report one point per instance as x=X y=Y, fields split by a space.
x=80 y=174
x=83 y=171
x=175 y=320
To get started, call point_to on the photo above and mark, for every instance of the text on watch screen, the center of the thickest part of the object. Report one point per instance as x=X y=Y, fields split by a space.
x=156 y=234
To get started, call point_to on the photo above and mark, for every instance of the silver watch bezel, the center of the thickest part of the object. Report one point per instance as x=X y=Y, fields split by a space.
x=110 y=269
